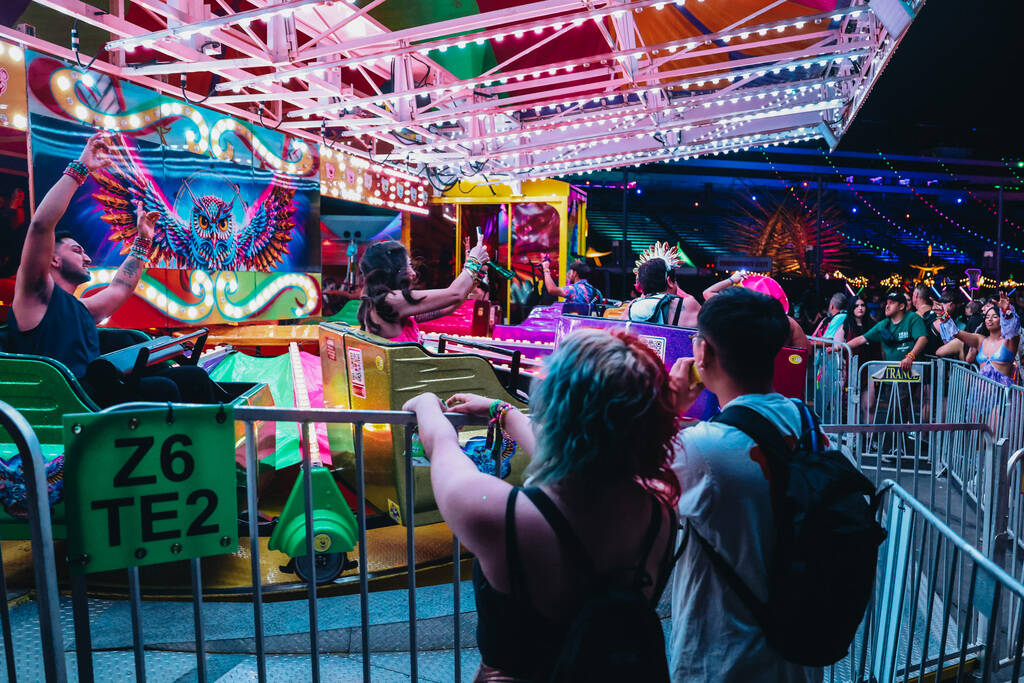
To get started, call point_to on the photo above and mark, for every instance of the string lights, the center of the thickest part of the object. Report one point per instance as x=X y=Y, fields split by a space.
x=935 y=242
x=882 y=251
x=975 y=197
x=905 y=182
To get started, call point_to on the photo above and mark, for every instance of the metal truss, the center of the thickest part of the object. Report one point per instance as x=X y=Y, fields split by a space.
x=327 y=65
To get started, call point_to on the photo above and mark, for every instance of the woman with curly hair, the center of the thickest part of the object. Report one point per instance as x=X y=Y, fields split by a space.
x=600 y=434
x=388 y=307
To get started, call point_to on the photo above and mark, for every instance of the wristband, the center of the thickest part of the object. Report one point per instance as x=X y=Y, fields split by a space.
x=910 y=355
x=494 y=406
x=140 y=248
x=500 y=412
x=77 y=171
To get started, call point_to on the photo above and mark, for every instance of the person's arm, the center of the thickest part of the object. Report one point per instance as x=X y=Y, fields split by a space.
x=34 y=284
x=471 y=502
x=797 y=337
x=915 y=353
x=428 y=300
x=439 y=313
x=549 y=282
x=728 y=282
x=1009 y=324
x=871 y=335
x=517 y=425
x=127 y=277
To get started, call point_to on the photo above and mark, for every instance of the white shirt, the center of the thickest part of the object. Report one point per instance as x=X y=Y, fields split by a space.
x=725 y=496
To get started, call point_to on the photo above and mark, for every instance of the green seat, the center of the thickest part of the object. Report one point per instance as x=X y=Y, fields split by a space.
x=43 y=390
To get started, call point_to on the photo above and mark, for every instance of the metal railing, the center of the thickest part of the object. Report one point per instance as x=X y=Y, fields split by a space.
x=952 y=582
x=978 y=512
x=306 y=417
x=832 y=388
x=44 y=565
x=939 y=609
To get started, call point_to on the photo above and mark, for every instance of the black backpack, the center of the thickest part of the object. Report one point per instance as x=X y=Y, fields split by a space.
x=826 y=547
x=616 y=635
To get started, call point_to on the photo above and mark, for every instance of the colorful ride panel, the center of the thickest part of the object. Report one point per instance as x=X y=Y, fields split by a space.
x=672 y=343
x=364 y=372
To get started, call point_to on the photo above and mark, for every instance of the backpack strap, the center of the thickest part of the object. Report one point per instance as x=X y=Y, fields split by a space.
x=738 y=585
x=757 y=427
x=578 y=555
x=648 y=543
x=679 y=312
x=516 y=573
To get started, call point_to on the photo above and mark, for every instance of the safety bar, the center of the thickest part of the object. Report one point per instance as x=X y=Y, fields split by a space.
x=515 y=357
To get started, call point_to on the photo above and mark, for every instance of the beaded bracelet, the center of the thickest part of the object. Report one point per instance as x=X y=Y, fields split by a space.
x=77 y=171
x=494 y=406
x=140 y=249
x=499 y=414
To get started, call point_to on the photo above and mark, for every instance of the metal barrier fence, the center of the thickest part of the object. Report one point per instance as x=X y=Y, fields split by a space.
x=964 y=395
x=981 y=517
x=939 y=609
x=45 y=566
x=832 y=382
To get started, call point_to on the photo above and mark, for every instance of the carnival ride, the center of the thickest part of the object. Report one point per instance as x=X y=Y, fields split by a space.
x=502 y=97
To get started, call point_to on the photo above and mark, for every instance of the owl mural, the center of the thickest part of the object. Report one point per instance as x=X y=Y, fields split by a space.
x=208 y=237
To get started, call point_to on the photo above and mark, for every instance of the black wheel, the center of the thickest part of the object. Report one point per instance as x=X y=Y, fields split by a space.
x=329 y=566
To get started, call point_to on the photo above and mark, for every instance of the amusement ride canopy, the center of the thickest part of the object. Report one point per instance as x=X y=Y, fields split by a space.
x=501 y=91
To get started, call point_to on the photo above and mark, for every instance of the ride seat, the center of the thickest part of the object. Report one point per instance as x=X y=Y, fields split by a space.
x=362 y=371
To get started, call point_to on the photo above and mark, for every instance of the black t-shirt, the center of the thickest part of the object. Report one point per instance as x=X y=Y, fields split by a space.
x=66 y=333
x=934 y=340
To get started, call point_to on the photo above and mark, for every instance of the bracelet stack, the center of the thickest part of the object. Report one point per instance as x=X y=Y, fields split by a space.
x=473 y=265
x=140 y=249
x=77 y=171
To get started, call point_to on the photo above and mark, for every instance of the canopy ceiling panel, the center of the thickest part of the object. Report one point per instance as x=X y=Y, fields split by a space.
x=499 y=91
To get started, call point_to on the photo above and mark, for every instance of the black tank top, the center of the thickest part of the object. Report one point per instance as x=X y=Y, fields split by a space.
x=511 y=634
x=66 y=333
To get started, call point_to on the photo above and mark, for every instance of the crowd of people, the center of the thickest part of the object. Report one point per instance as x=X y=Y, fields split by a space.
x=623 y=498
x=983 y=332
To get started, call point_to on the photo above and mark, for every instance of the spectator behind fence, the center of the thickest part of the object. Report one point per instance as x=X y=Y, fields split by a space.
x=831 y=327
x=858 y=321
x=726 y=497
x=602 y=496
x=923 y=300
x=996 y=349
x=902 y=334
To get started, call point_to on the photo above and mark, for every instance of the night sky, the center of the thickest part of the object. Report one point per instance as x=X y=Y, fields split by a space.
x=955 y=81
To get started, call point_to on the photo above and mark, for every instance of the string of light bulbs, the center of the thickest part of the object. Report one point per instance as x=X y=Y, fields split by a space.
x=939 y=211
x=883 y=251
x=987 y=205
x=935 y=242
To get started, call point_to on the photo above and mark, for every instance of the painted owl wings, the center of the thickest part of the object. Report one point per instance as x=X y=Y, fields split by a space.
x=263 y=242
x=122 y=185
x=209 y=240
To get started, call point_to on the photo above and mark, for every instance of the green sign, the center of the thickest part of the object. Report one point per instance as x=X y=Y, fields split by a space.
x=149 y=486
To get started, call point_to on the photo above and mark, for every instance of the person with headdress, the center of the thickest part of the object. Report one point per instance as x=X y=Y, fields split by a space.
x=765 y=285
x=389 y=308
x=656 y=303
